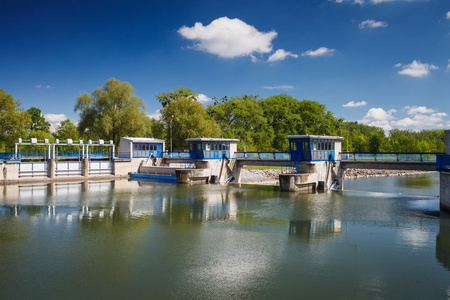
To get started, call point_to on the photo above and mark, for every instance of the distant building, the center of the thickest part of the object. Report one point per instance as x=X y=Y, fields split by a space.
x=314 y=147
x=132 y=147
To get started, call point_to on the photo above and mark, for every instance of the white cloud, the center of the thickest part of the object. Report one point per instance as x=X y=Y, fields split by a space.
x=280 y=87
x=38 y=86
x=361 y=2
x=156 y=115
x=420 y=121
x=355 y=104
x=448 y=15
x=379 y=117
x=203 y=98
x=416 y=69
x=53 y=118
x=448 y=66
x=412 y=110
x=372 y=24
x=322 y=51
x=228 y=38
x=280 y=54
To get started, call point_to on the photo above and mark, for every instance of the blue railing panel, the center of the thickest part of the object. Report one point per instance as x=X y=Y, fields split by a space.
x=443 y=163
x=400 y=157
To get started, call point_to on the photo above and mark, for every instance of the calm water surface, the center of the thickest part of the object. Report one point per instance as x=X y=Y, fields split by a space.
x=382 y=238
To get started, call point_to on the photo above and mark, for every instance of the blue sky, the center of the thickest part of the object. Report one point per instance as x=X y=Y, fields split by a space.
x=379 y=62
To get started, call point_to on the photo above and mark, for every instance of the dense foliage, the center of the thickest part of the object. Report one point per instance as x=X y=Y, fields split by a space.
x=114 y=110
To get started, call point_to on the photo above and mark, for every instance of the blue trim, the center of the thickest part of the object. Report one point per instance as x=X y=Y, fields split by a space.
x=154 y=178
x=443 y=163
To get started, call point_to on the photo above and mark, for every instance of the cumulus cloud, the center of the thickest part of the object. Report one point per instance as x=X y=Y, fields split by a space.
x=280 y=87
x=379 y=117
x=355 y=104
x=420 y=121
x=412 y=110
x=448 y=66
x=448 y=15
x=416 y=69
x=361 y=2
x=281 y=54
x=228 y=38
x=372 y=24
x=53 y=118
x=203 y=98
x=322 y=51
x=156 y=115
x=419 y=118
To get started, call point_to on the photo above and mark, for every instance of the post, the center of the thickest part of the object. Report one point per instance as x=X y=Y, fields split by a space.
x=171 y=134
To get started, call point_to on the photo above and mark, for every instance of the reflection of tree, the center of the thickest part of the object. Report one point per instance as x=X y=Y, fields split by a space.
x=443 y=241
x=317 y=230
x=415 y=181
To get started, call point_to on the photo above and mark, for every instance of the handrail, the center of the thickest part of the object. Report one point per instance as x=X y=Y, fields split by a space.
x=263 y=155
x=388 y=156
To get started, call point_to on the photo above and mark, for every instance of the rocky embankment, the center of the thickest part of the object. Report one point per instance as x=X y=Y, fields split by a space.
x=270 y=176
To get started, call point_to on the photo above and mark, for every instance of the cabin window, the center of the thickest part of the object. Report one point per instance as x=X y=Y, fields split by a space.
x=293 y=146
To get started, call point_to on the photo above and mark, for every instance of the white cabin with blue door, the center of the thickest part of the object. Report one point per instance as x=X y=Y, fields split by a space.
x=314 y=147
x=131 y=147
x=212 y=148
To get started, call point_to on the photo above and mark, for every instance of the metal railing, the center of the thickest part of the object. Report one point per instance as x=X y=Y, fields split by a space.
x=389 y=157
x=295 y=169
x=263 y=155
x=176 y=154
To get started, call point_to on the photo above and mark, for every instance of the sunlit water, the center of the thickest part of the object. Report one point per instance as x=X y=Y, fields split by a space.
x=383 y=238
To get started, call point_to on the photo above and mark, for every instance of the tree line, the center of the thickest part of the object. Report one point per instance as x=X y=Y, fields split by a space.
x=114 y=111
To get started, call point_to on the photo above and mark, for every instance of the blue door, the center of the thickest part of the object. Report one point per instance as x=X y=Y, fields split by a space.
x=216 y=154
x=158 y=150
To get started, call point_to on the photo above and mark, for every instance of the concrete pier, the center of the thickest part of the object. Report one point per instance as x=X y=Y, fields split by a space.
x=444 y=194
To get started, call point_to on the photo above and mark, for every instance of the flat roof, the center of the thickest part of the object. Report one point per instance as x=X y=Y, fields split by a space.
x=142 y=140
x=211 y=140
x=317 y=137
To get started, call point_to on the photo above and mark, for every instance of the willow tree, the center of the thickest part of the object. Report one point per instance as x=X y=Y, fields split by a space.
x=111 y=112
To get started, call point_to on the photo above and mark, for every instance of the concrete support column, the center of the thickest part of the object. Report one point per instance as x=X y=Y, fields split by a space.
x=444 y=191
x=237 y=172
x=444 y=183
x=51 y=168
x=85 y=171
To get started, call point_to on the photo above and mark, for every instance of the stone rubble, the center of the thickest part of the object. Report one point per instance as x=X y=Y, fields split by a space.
x=270 y=176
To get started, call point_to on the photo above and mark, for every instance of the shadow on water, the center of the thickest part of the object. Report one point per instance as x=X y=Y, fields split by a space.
x=443 y=241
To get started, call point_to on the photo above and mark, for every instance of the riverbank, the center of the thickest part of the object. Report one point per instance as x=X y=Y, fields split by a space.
x=270 y=176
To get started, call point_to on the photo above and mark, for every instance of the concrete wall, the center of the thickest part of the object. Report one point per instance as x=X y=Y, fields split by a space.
x=122 y=168
x=447 y=142
x=10 y=171
x=445 y=191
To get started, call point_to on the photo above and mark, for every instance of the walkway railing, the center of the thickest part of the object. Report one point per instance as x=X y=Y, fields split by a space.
x=176 y=154
x=389 y=157
x=263 y=155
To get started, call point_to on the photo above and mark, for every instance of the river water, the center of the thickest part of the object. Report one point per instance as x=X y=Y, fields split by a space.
x=382 y=238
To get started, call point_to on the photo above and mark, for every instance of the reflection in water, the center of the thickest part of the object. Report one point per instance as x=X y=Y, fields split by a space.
x=118 y=239
x=315 y=230
x=98 y=200
x=443 y=242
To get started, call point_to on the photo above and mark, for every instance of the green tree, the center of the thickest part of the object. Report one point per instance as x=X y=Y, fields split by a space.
x=67 y=130
x=38 y=122
x=180 y=92
x=244 y=118
x=111 y=112
x=284 y=117
x=185 y=117
x=14 y=121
